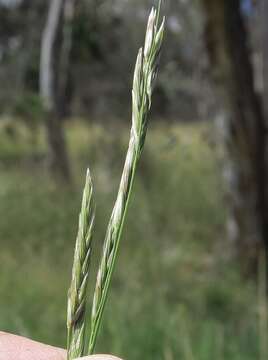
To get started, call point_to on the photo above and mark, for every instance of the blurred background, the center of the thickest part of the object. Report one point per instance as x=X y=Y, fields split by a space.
x=191 y=279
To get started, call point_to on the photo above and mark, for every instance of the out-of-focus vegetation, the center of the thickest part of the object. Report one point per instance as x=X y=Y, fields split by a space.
x=176 y=292
x=185 y=285
x=105 y=39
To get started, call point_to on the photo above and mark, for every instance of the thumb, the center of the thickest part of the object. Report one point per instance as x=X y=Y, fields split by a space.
x=99 y=357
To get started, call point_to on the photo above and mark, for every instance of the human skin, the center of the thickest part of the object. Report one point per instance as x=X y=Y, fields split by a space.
x=13 y=347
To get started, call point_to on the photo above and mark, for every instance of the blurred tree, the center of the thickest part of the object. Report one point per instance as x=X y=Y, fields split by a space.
x=19 y=48
x=105 y=35
x=244 y=127
x=54 y=79
x=264 y=49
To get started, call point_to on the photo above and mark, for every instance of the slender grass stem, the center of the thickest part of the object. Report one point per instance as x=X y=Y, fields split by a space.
x=144 y=75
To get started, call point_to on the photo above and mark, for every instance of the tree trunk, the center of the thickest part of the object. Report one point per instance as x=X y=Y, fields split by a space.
x=244 y=124
x=65 y=78
x=264 y=49
x=51 y=91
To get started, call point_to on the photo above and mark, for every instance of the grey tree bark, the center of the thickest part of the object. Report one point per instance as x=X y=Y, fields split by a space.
x=52 y=88
x=244 y=124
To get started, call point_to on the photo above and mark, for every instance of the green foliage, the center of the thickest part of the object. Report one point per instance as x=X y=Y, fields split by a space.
x=174 y=296
x=29 y=108
x=106 y=35
x=20 y=141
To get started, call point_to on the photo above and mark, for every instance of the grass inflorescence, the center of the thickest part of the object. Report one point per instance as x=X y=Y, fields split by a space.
x=76 y=324
x=143 y=82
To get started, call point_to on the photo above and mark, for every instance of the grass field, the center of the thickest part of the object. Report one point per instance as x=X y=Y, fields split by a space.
x=176 y=294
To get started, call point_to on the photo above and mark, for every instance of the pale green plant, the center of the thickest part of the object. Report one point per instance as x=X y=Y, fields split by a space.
x=76 y=308
x=144 y=75
x=143 y=82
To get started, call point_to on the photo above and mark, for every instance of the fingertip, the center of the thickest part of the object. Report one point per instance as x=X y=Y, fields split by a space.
x=99 y=357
